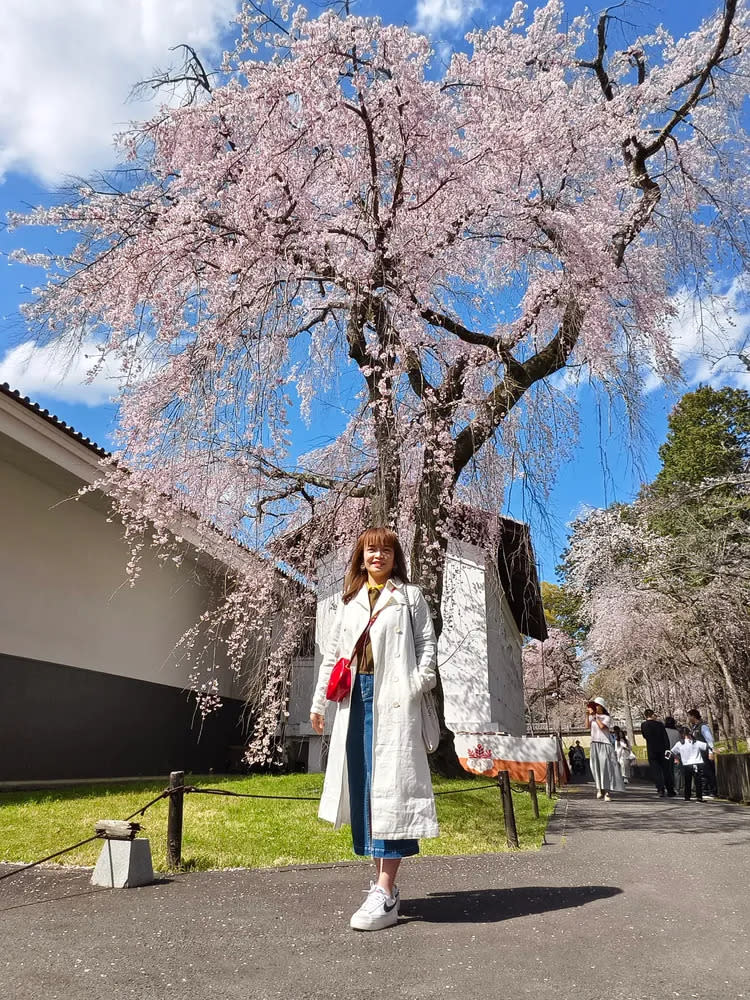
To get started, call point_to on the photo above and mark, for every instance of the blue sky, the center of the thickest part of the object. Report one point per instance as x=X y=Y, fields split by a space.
x=64 y=91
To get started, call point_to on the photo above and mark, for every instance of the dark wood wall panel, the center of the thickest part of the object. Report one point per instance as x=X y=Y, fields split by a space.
x=61 y=722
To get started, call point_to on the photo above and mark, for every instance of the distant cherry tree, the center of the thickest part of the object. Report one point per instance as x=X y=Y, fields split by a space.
x=667 y=610
x=335 y=227
x=552 y=681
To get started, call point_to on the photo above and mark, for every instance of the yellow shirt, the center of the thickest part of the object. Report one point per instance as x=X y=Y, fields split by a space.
x=368 y=663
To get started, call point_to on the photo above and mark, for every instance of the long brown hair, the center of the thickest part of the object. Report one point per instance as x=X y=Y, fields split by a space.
x=356 y=574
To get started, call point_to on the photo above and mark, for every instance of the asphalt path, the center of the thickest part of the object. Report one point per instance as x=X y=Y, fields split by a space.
x=635 y=899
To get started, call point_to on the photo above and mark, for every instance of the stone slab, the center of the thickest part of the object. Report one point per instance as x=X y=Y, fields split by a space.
x=124 y=864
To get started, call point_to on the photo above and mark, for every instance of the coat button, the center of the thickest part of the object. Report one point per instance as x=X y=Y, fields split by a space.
x=397 y=704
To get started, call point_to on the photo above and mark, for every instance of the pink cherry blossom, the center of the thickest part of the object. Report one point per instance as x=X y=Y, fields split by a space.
x=337 y=217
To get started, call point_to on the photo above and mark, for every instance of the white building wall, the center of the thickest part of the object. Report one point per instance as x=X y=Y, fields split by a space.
x=462 y=647
x=64 y=595
x=504 y=643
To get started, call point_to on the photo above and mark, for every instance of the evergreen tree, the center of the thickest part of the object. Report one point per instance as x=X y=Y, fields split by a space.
x=708 y=437
x=562 y=610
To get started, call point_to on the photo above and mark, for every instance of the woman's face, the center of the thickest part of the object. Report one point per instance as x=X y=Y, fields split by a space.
x=378 y=562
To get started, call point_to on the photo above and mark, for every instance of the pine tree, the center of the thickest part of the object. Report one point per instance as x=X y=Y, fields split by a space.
x=708 y=437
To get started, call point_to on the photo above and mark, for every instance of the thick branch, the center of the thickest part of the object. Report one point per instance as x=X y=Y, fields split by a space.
x=730 y=10
x=597 y=64
x=302 y=479
x=415 y=373
x=459 y=330
x=518 y=378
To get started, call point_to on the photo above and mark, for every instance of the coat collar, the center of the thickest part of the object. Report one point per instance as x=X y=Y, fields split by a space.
x=393 y=591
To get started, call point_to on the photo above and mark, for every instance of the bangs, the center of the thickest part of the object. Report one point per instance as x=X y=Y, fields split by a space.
x=356 y=575
x=381 y=538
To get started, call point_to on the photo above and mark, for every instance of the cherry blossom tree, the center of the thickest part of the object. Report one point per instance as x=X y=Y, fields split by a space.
x=552 y=680
x=668 y=624
x=335 y=224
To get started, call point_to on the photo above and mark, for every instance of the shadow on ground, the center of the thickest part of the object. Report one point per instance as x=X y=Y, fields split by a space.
x=493 y=905
x=71 y=890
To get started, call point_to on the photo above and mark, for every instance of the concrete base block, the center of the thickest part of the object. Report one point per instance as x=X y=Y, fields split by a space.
x=124 y=864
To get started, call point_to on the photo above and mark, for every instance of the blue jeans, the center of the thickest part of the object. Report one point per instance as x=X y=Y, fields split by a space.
x=359 y=768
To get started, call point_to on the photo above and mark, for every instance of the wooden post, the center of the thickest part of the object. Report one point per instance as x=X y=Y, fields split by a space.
x=174 y=820
x=550 y=779
x=506 y=797
x=532 y=793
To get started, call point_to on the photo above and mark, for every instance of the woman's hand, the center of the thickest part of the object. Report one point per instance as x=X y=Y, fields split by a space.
x=317 y=721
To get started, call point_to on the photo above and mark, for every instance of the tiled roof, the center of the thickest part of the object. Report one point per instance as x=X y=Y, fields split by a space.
x=15 y=395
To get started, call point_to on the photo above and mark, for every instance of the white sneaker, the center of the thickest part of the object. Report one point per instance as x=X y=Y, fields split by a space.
x=607 y=797
x=379 y=910
x=599 y=794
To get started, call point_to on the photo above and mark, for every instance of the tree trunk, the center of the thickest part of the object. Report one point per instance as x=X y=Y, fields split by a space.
x=732 y=688
x=428 y=567
x=628 y=713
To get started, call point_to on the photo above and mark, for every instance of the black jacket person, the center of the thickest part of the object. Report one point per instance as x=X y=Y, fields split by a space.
x=657 y=743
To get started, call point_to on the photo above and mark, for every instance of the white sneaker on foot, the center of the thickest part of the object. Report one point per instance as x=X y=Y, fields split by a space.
x=379 y=910
x=607 y=797
x=599 y=794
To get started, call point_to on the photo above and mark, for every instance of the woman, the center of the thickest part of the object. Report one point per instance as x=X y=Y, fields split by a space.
x=603 y=760
x=377 y=777
x=623 y=753
x=702 y=734
x=690 y=752
x=673 y=734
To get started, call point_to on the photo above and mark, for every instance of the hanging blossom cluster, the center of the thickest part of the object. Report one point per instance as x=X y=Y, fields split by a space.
x=335 y=234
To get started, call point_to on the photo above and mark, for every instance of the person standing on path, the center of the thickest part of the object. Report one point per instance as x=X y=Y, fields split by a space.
x=577 y=759
x=377 y=776
x=701 y=732
x=657 y=744
x=603 y=760
x=623 y=753
x=673 y=735
x=690 y=752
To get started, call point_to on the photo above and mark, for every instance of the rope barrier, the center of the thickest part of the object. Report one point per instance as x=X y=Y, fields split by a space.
x=25 y=868
x=290 y=798
x=245 y=795
x=460 y=791
x=165 y=794
x=188 y=789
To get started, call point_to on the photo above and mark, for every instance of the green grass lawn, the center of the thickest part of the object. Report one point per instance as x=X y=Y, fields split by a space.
x=222 y=832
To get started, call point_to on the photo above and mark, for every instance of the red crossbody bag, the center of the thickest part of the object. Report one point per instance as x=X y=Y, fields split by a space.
x=340 y=681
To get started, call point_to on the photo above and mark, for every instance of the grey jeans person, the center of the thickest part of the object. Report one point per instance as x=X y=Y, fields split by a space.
x=679 y=780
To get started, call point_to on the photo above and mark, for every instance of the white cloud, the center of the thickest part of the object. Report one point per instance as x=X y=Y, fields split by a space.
x=436 y=16
x=68 y=69
x=47 y=371
x=708 y=337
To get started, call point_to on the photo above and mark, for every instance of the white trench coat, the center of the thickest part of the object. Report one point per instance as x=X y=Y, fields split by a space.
x=402 y=802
